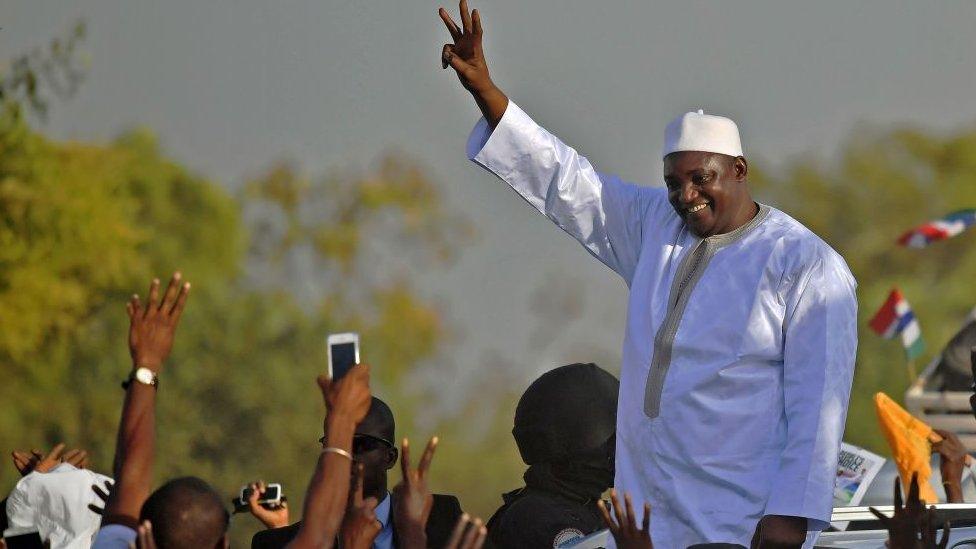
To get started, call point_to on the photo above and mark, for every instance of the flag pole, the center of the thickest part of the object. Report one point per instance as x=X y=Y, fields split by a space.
x=912 y=374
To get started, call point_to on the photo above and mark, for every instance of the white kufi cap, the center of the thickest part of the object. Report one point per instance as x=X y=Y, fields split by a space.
x=697 y=131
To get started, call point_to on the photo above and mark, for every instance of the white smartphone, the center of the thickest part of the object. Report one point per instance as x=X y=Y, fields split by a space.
x=343 y=353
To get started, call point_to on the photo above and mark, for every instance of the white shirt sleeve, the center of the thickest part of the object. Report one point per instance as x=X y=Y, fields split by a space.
x=114 y=536
x=602 y=212
x=820 y=342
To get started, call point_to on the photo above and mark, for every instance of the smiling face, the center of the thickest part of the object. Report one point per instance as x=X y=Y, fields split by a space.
x=708 y=191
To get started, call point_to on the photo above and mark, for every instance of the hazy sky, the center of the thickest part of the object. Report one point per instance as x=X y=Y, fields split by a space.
x=231 y=85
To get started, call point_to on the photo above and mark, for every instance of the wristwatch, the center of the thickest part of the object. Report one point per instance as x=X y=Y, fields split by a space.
x=142 y=375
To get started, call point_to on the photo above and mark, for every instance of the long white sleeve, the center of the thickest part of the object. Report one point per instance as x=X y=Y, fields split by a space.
x=820 y=342
x=603 y=213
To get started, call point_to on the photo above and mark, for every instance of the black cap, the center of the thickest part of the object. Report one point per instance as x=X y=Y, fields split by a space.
x=378 y=422
x=565 y=413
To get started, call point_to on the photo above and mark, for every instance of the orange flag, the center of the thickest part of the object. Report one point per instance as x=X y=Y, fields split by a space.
x=909 y=439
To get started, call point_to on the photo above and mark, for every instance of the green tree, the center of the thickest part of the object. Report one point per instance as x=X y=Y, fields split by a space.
x=885 y=183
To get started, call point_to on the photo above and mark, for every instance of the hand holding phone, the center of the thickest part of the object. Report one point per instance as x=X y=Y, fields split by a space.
x=343 y=353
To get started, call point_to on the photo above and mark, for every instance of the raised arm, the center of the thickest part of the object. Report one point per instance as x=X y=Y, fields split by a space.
x=151 y=330
x=602 y=212
x=467 y=58
x=347 y=401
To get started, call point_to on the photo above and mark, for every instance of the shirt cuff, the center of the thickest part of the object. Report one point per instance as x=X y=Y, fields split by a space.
x=485 y=144
x=114 y=536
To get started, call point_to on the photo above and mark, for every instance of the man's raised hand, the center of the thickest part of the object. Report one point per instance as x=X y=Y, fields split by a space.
x=467 y=58
x=152 y=326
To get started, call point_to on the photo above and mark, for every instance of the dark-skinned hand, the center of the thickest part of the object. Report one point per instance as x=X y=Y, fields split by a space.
x=468 y=533
x=912 y=525
x=103 y=495
x=624 y=529
x=412 y=500
x=28 y=462
x=360 y=525
x=952 y=463
x=349 y=396
x=276 y=517
x=465 y=55
x=152 y=326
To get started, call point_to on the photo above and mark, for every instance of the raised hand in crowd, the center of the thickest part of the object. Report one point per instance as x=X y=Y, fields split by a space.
x=347 y=401
x=912 y=525
x=467 y=58
x=468 y=533
x=360 y=525
x=270 y=517
x=152 y=327
x=27 y=462
x=624 y=529
x=952 y=462
x=412 y=498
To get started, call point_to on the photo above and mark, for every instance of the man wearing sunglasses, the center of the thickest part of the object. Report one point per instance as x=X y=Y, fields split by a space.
x=373 y=447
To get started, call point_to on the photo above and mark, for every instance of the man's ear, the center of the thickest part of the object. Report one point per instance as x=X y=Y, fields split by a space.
x=224 y=541
x=391 y=457
x=740 y=168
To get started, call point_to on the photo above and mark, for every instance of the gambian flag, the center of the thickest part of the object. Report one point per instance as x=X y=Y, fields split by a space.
x=896 y=318
x=940 y=229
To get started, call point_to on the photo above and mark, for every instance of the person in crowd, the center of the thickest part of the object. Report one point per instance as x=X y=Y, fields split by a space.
x=738 y=355
x=186 y=512
x=35 y=461
x=347 y=401
x=51 y=502
x=564 y=428
x=373 y=448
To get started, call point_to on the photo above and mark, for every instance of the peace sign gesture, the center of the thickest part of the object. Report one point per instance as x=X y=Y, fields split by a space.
x=467 y=58
x=412 y=498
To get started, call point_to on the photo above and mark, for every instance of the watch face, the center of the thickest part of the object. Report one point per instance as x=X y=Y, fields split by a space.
x=145 y=376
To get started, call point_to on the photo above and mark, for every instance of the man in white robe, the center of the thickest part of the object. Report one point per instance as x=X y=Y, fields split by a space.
x=741 y=330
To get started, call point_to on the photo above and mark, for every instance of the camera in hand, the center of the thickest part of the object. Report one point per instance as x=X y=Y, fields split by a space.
x=272 y=498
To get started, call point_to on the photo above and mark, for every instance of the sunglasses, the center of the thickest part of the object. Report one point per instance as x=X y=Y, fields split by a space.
x=366 y=443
